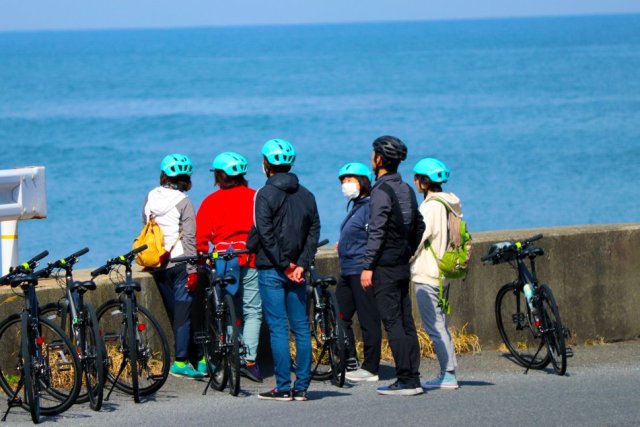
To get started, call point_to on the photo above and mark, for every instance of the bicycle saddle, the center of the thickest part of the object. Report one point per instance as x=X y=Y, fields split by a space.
x=324 y=280
x=83 y=287
x=224 y=281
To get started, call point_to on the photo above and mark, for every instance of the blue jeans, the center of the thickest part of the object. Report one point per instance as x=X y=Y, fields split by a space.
x=177 y=301
x=284 y=306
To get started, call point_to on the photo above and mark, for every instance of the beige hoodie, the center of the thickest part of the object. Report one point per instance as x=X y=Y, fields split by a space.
x=424 y=268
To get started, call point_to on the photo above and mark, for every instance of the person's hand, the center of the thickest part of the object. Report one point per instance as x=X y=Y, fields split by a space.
x=298 y=274
x=192 y=282
x=295 y=273
x=366 y=279
x=289 y=271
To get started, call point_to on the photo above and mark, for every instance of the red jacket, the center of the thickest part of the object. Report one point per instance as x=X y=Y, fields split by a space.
x=225 y=217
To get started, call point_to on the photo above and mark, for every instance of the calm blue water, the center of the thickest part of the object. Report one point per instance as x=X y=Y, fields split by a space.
x=538 y=119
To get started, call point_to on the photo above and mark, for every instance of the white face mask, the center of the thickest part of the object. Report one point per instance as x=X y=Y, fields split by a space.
x=350 y=190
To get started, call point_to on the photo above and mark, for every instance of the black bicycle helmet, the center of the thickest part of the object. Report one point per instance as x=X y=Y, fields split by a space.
x=390 y=148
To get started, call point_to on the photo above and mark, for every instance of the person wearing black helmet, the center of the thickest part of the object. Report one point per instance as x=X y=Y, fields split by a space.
x=395 y=229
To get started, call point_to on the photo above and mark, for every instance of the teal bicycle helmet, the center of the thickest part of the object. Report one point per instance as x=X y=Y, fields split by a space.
x=279 y=152
x=434 y=169
x=233 y=164
x=355 y=168
x=176 y=164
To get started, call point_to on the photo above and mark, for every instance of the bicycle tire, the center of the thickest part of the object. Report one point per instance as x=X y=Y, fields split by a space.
x=554 y=330
x=59 y=314
x=232 y=342
x=59 y=378
x=215 y=354
x=154 y=357
x=320 y=366
x=29 y=374
x=131 y=347
x=337 y=344
x=517 y=328
x=93 y=358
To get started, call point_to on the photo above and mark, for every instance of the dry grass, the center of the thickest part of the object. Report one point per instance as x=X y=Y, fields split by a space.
x=595 y=341
x=115 y=358
x=463 y=342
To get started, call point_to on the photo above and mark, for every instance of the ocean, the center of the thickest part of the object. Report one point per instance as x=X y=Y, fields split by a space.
x=538 y=119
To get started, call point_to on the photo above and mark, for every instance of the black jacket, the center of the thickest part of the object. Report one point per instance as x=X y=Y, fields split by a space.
x=287 y=225
x=395 y=224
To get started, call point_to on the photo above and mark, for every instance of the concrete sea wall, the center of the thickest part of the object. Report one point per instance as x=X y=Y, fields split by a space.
x=594 y=272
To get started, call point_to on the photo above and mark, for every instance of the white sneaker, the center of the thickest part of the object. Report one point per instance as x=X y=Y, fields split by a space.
x=361 y=375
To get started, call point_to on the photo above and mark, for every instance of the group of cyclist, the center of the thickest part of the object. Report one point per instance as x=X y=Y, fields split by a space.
x=382 y=247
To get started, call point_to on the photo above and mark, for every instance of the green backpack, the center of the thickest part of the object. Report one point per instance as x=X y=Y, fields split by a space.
x=454 y=263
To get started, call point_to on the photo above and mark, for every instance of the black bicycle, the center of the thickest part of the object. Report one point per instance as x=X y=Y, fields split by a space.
x=79 y=321
x=38 y=358
x=327 y=330
x=221 y=338
x=137 y=347
x=526 y=312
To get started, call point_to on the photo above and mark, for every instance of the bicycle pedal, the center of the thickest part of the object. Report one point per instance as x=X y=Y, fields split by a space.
x=569 y=351
x=111 y=337
x=517 y=318
x=155 y=377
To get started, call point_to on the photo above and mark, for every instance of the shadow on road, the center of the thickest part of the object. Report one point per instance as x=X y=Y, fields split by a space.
x=474 y=383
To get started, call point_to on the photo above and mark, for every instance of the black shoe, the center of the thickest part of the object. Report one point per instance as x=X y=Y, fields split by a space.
x=276 y=395
x=300 y=395
x=252 y=372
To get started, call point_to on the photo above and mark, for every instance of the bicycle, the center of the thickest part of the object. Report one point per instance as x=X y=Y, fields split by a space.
x=48 y=369
x=327 y=331
x=221 y=339
x=79 y=321
x=526 y=312
x=137 y=347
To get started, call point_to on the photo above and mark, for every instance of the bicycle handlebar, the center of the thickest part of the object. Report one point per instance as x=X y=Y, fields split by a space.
x=225 y=255
x=70 y=260
x=322 y=243
x=23 y=268
x=505 y=251
x=125 y=259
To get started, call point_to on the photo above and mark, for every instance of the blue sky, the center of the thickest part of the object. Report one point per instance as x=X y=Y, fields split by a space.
x=94 y=14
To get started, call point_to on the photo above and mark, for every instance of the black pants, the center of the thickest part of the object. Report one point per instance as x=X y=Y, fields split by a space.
x=351 y=299
x=391 y=287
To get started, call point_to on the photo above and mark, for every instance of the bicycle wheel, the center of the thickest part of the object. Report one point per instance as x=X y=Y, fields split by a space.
x=58 y=370
x=232 y=343
x=215 y=350
x=517 y=328
x=328 y=340
x=553 y=331
x=93 y=358
x=153 y=349
x=29 y=371
x=59 y=314
x=337 y=344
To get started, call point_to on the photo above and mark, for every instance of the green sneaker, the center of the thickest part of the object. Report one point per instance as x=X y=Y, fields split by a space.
x=184 y=370
x=202 y=367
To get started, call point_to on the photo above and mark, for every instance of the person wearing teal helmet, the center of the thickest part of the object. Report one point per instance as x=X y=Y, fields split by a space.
x=430 y=175
x=172 y=210
x=285 y=240
x=224 y=220
x=355 y=179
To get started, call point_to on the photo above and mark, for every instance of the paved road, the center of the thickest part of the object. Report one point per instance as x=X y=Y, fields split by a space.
x=602 y=388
